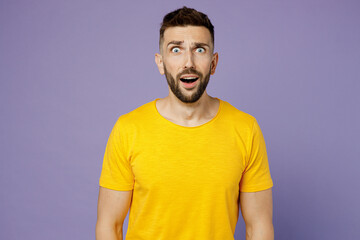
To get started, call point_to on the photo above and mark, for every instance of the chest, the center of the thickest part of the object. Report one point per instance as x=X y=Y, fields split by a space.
x=167 y=160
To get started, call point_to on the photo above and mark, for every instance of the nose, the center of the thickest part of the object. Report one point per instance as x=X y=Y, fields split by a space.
x=189 y=60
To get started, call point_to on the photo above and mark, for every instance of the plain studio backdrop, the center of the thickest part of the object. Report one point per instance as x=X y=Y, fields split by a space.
x=69 y=69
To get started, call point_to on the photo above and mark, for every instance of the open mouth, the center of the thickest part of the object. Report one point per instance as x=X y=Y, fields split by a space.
x=189 y=79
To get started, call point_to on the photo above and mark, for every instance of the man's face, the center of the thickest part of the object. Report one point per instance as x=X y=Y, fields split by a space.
x=187 y=60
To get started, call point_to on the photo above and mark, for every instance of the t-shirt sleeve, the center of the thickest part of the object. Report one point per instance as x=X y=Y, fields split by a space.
x=256 y=176
x=116 y=171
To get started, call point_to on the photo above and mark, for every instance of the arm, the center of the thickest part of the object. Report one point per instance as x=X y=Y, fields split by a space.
x=257 y=209
x=113 y=207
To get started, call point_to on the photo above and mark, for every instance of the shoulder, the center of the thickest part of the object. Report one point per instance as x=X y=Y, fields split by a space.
x=140 y=112
x=236 y=116
x=136 y=116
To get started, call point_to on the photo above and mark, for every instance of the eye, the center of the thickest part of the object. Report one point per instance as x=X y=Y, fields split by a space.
x=200 y=50
x=175 y=50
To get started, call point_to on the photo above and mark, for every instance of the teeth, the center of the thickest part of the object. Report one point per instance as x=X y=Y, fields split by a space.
x=189 y=79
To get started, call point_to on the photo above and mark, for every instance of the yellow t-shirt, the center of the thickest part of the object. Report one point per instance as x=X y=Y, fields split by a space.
x=185 y=180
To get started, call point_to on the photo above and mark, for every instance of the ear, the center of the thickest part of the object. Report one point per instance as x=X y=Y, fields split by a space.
x=159 y=63
x=214 y=62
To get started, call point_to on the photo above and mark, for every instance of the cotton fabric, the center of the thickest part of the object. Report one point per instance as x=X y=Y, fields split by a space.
x=185 y=180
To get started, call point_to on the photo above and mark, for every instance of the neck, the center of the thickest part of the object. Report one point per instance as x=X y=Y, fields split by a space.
x=188 y=114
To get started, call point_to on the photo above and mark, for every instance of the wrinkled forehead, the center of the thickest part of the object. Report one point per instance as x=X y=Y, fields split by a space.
x=187 y=35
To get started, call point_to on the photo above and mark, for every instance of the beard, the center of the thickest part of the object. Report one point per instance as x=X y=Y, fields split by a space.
x=175 y=86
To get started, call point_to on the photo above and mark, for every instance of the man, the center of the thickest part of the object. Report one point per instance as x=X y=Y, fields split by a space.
x=187 y=162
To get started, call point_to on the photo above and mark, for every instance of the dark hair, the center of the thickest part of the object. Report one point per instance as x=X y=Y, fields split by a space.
x=185 y=17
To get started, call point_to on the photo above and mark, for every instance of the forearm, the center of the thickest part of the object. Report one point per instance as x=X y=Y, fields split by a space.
x=108 y=232
x=260 y=232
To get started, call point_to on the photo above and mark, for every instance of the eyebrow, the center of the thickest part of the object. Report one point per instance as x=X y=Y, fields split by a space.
x=196 y=44
x=175 y=43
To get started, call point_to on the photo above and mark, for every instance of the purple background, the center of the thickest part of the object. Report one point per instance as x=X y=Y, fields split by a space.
x=68 y=69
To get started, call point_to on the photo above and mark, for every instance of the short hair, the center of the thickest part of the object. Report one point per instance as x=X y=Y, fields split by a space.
x=185 y=17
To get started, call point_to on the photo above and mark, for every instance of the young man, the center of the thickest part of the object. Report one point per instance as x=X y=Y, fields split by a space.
x=187 y=162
